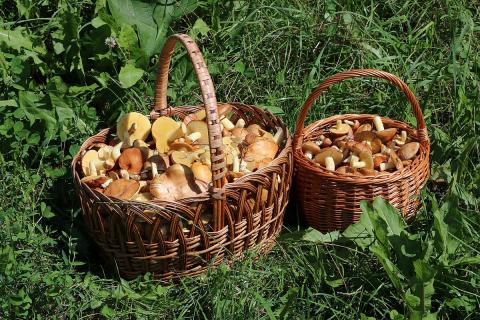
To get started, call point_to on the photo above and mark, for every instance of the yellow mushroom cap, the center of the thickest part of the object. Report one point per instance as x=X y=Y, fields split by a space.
x=139 y=121
x=165 y=130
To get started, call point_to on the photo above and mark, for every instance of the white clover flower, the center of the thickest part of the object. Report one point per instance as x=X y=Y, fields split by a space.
x=111 y=42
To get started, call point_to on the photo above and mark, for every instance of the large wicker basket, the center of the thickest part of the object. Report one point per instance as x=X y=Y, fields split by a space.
x=331 y=200
x=140 y=237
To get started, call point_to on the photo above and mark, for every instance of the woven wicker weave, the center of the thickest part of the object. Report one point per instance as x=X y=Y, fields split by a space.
x=331 y=200
x=144 y=237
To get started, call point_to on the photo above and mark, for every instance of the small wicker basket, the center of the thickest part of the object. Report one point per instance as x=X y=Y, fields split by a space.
x=140 y=237
x=331 y=200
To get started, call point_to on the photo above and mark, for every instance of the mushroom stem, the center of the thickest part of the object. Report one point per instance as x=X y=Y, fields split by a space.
x=227 y=124
x=386 y=165
x=329 y=164
x=403 y=138
x=350 y=123
x=236 y=162
x=353 y=159
x=358 y=164
x=377 y=121
x=278 y=136
x=128 y=132
x=240 y=123
x=194 y=136
x=124 y=174
x=385 y=150
x=154 y=169
x=107 y=183
x=92 y=168
x=116 y=151
x=308 y=155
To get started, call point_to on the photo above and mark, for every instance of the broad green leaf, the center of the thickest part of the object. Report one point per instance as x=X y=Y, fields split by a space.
x=313 y=235
x=127 y=38
x=28 y=102
x=390 y=215
x=17 y=40
x=129 y=75
x=152 y=20
x=199 y=28
x=362 y=231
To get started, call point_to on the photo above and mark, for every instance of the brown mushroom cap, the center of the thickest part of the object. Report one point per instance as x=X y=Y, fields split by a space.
x=255 y=129
x=357 y=147
x=364 y=127
x=311 y=147
x=131 y=160
x=408 y=150
x=95 y=181
x=125 y=123
x=261 y=148
x=376 y=145
x=176 y=183
x=201 y=172
x=158 y=160
x=340 y=129
x=396 y=160
x=123 y=189
x=387 y=134
x=378 y=159
x=364 y=136
x=337 y=156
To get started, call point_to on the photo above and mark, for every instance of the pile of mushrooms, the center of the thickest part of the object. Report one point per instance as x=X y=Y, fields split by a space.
x=366 y=149
x=170 y=160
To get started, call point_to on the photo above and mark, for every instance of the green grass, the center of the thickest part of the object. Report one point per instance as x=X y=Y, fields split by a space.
x=60 y=84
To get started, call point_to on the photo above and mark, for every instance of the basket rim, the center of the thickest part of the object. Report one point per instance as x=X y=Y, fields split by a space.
x=286 y=148
x=348 y=178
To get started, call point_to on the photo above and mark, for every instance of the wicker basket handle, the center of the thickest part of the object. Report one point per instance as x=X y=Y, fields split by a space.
x=210 y=102
x=354 y=73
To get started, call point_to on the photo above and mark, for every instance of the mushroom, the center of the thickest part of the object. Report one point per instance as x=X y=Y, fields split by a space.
x=240 y=123
x=105 y=152
x=185 y=158
x=377 y=121
x=365 y=161
x=345 y=169
x=408 y=150
x=95 y=181
x=239 y=134
x=87 y=157
x=131 y=160
x=176 y=183
x=326 y=142
x=193 y=137
x=201 y=172
x=123 y=189
x=364 y=136
x=310 y=149
x=116 y=151
x=145 y=148
x=181 y=146
x=132 y=126
x=143 y=197
x=396 y=160
x=92 y=165
x=364 y=127
x=154 y=164
x=113 y=175
x=256 y=129
x=260 y=149
x=227 y=124
x=199 y=126
x=402 y=139
x=340 y=129
x=329 y=158
x=386 y=135
x=278 y=137
x=378 y=159
x=165 y=130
